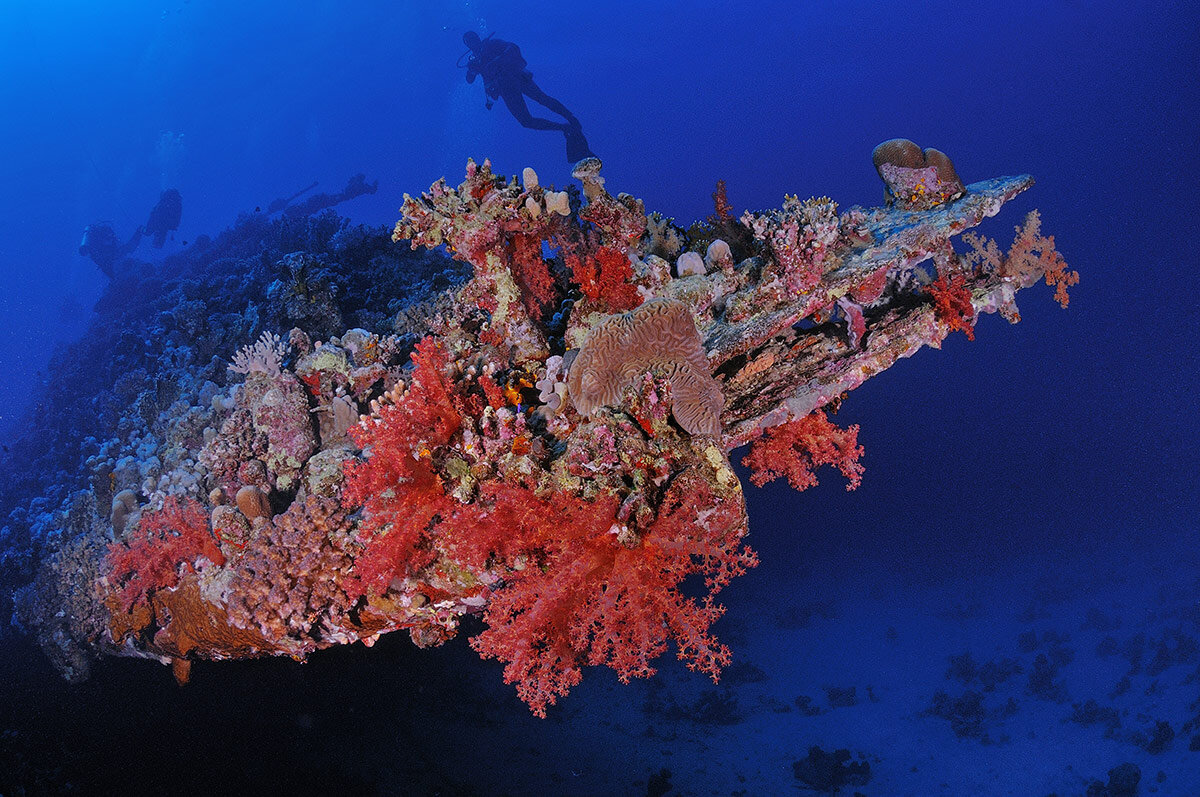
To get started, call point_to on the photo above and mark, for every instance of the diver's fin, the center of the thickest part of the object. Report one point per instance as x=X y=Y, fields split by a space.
x=577 y=145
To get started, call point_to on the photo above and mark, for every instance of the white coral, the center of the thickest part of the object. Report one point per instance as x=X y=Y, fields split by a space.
x=265 y=356
x=552 y=386
x=558 y=202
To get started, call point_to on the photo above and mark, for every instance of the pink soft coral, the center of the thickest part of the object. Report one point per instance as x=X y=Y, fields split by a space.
x=1030 y=255
x=797 y=448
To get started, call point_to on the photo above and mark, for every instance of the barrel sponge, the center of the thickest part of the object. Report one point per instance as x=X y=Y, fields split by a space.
x=658 y=336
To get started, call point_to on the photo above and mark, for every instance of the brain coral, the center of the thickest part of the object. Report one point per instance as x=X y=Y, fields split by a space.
x=658 y=336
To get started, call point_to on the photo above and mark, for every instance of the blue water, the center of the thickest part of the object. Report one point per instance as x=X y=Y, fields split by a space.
x=1013 y=483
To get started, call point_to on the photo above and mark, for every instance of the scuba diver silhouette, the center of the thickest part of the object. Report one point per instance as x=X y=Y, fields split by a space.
x=505 y=77
x=101 y=245
x=164 y=217
x=100 y=241
x=356 y=186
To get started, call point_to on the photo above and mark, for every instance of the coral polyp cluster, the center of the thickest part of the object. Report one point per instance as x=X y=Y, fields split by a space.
x=544 y=444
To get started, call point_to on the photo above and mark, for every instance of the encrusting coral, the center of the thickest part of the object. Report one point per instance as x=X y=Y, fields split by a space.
x=555 y=458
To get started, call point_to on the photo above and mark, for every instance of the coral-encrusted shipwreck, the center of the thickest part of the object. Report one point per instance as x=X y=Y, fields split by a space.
x=556 y=456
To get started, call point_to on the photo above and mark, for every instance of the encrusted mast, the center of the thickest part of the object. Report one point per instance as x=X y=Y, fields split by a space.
x=555 y=458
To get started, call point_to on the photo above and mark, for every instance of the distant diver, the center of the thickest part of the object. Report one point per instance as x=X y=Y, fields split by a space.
x=356 y=186
x=101 y=245
x=282 y=202
x=164 y=218
x=505 y=77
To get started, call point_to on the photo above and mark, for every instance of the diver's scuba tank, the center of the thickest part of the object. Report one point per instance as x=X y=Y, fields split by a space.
x=100 y=243
x=84 y=243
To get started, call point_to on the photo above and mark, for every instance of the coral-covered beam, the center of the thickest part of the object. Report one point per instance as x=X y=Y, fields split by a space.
x=775 y=371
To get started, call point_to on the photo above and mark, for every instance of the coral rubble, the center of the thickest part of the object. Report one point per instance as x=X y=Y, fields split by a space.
x=545 y=443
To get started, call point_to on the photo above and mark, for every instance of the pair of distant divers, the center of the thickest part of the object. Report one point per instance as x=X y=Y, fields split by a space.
x=100 y=242
x=505 y=77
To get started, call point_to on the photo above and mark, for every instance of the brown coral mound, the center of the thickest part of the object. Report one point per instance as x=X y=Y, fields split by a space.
x=286 y=585
x=946 y=173
x=918 y=179
x=898 y=152
x=659 y=336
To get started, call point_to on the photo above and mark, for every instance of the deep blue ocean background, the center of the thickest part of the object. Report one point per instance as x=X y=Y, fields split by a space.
x=1022 y=484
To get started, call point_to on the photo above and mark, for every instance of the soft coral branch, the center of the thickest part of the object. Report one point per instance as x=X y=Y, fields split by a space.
x=1031 y=255
x=166 y=540
x=952 y=303
x=606 y=277
x=531 y=273
x=797 y=448
x=401 y=495
x=583 y=590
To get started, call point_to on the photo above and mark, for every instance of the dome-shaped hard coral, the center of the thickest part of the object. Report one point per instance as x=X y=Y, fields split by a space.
x=916 y=179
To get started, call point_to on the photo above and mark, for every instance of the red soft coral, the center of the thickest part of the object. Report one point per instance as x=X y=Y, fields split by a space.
x=606 y=276
x=590 y=592
x=401 y=495
x=797 y=448
x=493 y=392
x=530 y=272
x=952 y=304
x=721 y=205
x=529 y=617
x=166 y=539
